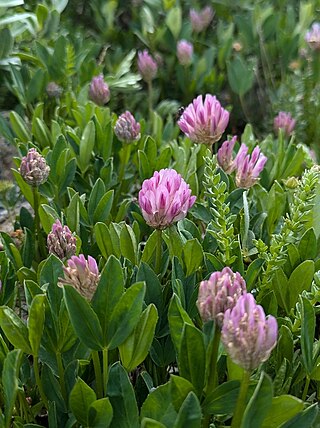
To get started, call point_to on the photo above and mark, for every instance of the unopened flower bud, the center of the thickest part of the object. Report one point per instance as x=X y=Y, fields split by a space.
x=248 y=168
x=54 y=90
x=81 y=274
x=285 y=122
x=225 y=156
x=99 y=91
x=147 y=66
x=61 y=241
x=313 y=37
x=247 y=334
x=34 y=169
x=219 y=293
x=127 y=129
x=201 y=20
x=184 y=52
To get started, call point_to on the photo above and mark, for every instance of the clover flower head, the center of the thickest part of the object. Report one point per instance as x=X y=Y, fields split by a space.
x=99 y=91
x=165 y=198
x=247 y=334
x=34 y=169
x=61 y=241
x=127 y=129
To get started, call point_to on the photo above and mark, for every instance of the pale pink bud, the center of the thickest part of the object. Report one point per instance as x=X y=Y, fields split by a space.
x=127 y=129
x=184 y=52
x=204 y=121
x=285 y=122
x=147 y=66
x=219 y=293
x=34 y=169
x=99 y=91
x=81 y=274
x=225 y=155
x=165 y=198
x=313 y=37
x=61 y=241
x=201 y=20
x=248 y=336
x=248 y=168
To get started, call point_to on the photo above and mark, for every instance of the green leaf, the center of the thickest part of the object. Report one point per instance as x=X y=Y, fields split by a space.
x=158 y=406
x=109 y=291
x=151 y=423
x=48 y=216
x=103 y=239
x=6 y=42
x=128 y=244
x=36 y=322
x=259 y=404
x=10 y=382
x=80 y=400
x=153 y=285
x=122 y=399
x=303 y=419
x=308 y=245
x=177 y=318
x=174 y=21
x=192 y=255
x=15 y=329
x=103 y=209
x=190 y=413
x=145 y=170
x=308 y=324
x=100 y=413
x=283 y=408
x=84 y=320
x=300 y=280
x=223 y=399
x=240 y=76
x=135 y=348
x=86 y=146
x=96 y=195
x=150 y=247
x=126 y=315
x=19 y=127
x=180 y=388
x=50 y=271
x=192 y=357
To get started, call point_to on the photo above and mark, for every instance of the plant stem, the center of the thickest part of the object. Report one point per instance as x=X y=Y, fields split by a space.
x=97 y=372
x=105 y=369
x=126 y=149
x=306 y=387
x=212 y=378
x=241 y=403
x=150 y=102
x=61 y=376
x=38 y=236
x=158 y=250
x=38 y=380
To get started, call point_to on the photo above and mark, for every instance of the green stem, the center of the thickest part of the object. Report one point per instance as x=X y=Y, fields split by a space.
x=241 y=403
x=38 y=236
x=38 y=380
x=61 y=376
x=158 y=250
x=150 y=102
x=212 y=378
x=97 y=372
x=105 y=369
x=126 y=151
x=306 y=387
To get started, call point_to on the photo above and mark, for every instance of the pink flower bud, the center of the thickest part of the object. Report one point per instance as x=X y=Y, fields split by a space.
x=247 y=334
x=313 y=37
x=225 y=155
x=99 y=91
x=53 y=90
x=201 y=20
x=219 y=293
x=248 y=168
x=34 y=169
x=81 y=274
x=126 y=128
x=165 y=198
x=204 y=121
x=184 y=52
x=61 y=241
x=285 y=122
x=147 y=66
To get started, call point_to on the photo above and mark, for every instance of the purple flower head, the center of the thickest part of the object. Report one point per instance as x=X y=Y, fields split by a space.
x=126 y=128
x=313 y=36
x=147 y=66
x=82 y=274
x=285 y=122
x=225 y=155
x=247 y=334
x=219 y=293
x=165 y=198
x=34 y=169
x=201 y=20
x=61 y=241
x=248 y=167
x=204 y=121
x=184 y=52
x=99 y=91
